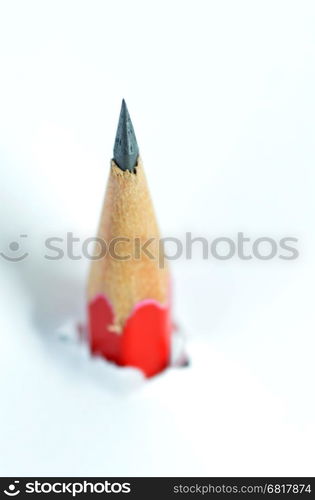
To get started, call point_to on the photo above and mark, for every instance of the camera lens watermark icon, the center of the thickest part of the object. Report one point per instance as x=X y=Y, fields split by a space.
x=13 y=491
x=15 y=252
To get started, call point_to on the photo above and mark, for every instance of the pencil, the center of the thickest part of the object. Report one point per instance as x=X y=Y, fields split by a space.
x=128 y=288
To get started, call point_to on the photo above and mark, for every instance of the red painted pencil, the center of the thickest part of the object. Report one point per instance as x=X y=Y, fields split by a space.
x=128 y=289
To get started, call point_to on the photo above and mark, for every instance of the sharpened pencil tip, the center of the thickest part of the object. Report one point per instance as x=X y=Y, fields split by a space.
x=126 y=149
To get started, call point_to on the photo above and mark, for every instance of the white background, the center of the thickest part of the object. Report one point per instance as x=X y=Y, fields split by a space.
x=221 y=94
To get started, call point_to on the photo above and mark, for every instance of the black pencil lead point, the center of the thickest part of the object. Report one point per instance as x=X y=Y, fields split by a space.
x=126 y=149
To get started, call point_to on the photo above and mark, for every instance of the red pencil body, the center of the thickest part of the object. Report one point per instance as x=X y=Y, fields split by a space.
x=144 y=342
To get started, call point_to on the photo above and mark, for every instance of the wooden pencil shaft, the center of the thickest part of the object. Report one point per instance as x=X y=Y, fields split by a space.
x=128 y=213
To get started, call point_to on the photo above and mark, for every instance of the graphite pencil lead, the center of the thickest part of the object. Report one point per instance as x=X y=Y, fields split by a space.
x=126 y=149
